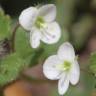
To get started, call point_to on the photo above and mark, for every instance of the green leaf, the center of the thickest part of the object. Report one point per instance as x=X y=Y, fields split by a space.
x=22 y=45
x=24 y=49
x=10 y=67
x=5 y=22
x=92 y=65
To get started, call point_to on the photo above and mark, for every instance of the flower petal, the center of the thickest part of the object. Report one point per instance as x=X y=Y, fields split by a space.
x=75 y=73
x=28 y=17
x=49 y=68
x=66 y=52
x=35 y=37
x=52 y=33
x=48 y=12
x=63 y=84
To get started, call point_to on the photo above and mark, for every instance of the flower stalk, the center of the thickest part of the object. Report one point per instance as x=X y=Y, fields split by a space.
x=13 y=37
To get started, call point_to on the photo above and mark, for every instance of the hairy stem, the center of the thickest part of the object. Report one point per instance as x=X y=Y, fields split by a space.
x=13 y=37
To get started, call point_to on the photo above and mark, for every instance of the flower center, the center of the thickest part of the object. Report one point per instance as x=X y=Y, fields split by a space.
x=40 y=23
x=65 y=66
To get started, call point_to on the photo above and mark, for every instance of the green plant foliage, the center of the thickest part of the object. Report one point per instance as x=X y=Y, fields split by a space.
x=22 y=45
x=92 y=65
x=24 y=49
x=10 y=67
x=5 y=22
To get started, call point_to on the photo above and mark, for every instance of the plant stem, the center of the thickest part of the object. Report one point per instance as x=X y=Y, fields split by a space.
x=13 y=37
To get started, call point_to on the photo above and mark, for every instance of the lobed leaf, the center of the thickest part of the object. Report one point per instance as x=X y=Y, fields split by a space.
x=10 y=67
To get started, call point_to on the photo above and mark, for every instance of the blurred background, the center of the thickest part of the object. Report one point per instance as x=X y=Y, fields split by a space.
x=77 y=19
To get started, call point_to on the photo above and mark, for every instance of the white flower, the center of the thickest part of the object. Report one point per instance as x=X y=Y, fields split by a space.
x=41 y=24
x=63 y=67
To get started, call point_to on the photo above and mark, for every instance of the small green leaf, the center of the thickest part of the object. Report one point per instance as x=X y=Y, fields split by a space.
x=93 y=63
x=22 y=45
x=10 y=67
x=5 y=22
x=24 y=49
